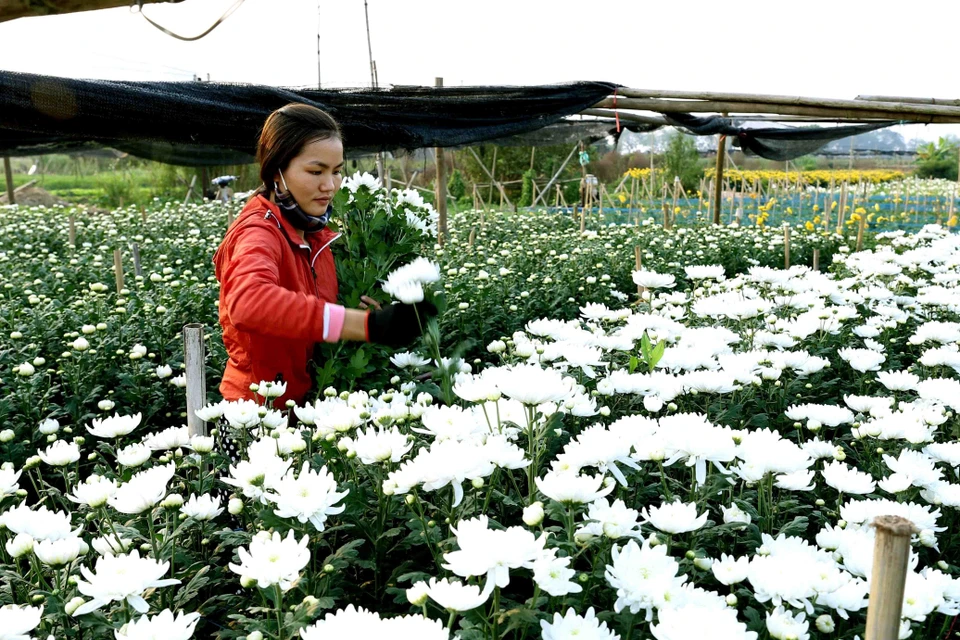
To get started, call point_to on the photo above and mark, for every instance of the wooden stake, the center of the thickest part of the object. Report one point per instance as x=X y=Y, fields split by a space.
x=135 y=250
x=118 y=269
x=816 y=259
x=72 y=230
x=193 y=359
x=442 y=233
x=8 y=172
x=583 y=222
x=860 y=229
x=786 y=247
x=473 y=236
x=891 y=557
x=718 y=186
x=843 y=207
x=639 y=265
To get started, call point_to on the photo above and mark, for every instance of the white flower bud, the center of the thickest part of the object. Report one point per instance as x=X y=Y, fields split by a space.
x=825 y=624
x=533 y=515
x=235 y=506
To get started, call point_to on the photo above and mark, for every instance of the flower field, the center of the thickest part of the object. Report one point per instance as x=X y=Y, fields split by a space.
x=694 y=448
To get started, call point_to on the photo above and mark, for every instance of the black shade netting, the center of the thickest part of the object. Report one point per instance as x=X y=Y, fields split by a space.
x=198 y=123
x=773 y=143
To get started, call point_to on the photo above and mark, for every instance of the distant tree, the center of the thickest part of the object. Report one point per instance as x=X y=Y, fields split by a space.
x=682 y=160
x=937 y=160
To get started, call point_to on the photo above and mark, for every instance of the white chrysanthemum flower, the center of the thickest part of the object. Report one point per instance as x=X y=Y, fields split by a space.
x=163 y=625
x=143 y=491
x=94 y=492
x=9 y=482
x=644 y=577
x=60 y=453
x=133 y=455
x=531 y=384
x=571 y=625
x=453 y=595
x=258 y=474
x=406 y=359
x=846 y=479
x=203 y=508
x=675 y=517
x=691 y=620
x=308 y=497
x=784 y=625
x=573 y=488
x=730 y=570
x=169 y=438
x=273 y=560
x=898 y=380
x=374 y=446
x=492 y=552
x=18 y=621
x=653 y=280
x=122 y=577
x=115 y=426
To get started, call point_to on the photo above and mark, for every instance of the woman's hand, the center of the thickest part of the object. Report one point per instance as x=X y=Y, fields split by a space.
x=366 y=302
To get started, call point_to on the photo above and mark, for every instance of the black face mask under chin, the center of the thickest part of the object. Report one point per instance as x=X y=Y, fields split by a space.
x=296 y=216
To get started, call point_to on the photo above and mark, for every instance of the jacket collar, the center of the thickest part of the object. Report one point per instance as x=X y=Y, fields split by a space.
x=310 y=237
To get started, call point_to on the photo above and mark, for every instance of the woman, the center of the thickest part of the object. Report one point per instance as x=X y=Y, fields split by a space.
x=278 y=283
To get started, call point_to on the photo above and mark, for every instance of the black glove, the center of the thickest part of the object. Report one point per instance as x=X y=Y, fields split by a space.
x=396 y=325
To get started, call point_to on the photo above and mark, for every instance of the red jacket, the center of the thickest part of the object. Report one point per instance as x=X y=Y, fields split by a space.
x=273 y=290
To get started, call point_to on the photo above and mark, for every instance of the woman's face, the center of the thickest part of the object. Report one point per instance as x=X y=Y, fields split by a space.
x=314 y=176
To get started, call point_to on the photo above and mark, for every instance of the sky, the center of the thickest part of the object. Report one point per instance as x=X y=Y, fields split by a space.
x=818 y=48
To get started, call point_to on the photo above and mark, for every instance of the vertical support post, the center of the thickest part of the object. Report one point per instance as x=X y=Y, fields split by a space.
x=583 y=222
x=118 y=269
x=442 y=233
x=786 y=247
x=72 y=230
x=639 y=265
x=193 y=359
x=718 y=179
x=841 y=214
x=860 y=230
x=8 y=172
x=135 y=250
x=816 y=259
x=891 y=556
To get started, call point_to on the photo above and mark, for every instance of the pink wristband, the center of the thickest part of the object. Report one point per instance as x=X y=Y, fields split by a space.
x=333 y=317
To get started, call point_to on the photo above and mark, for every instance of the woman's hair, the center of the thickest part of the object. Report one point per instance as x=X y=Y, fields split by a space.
x=285 y=132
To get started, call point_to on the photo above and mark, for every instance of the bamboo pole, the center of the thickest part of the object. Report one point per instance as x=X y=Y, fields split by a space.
x=860 y=229
x=842 y=115
x=639 y=265
x=841 y=214
x=907 y=100
x=718 y=179
x=891 y=558
x=443 y=235
x=563 y=166
x=633 y=195
x=786 y=247
x=118 y=269
x=135 y=250
x=193 y=359
x=816 y=259
x=8 y=173
x=72 y=230
x=699 y=102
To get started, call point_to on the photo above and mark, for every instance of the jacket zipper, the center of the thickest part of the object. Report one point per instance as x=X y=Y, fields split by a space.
x=316 y=288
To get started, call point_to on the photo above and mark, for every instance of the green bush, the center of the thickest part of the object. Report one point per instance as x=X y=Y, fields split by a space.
x=682 y=160
x=526 y=195
x=456 y=186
